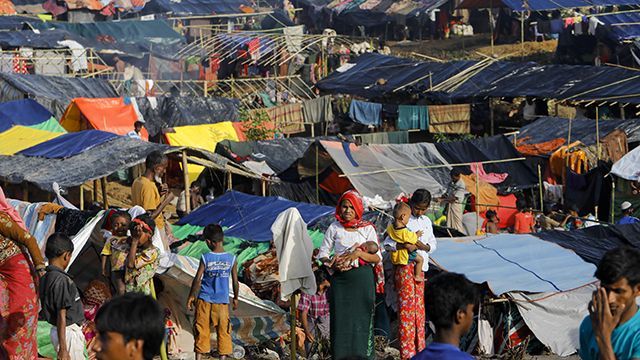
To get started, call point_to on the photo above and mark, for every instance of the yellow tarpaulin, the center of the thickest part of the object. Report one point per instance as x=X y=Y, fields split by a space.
x=205 y=136
x=19 y=138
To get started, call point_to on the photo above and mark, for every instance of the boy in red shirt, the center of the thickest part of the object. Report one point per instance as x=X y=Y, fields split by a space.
x=524 y=219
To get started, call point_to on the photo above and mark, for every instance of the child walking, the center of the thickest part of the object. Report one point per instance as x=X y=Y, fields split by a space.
x=212 y=304
x=399 y=233
x=60 y=299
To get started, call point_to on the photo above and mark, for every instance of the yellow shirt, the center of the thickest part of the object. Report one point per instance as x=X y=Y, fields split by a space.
x=401 y=236
x=145 y=193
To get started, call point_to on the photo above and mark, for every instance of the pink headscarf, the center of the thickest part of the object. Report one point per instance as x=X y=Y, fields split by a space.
x=5 y=207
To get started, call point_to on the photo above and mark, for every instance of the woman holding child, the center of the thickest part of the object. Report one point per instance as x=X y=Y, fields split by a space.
x=353 y=285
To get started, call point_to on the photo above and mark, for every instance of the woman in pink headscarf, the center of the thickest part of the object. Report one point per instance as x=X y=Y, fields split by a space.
x=18 y=296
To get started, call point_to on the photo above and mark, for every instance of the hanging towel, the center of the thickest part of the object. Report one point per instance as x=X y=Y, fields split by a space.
x=295 y=252
x=365 y=112
x=491 y=178
x=317 y=110
x=413 y=117
x=450 y=119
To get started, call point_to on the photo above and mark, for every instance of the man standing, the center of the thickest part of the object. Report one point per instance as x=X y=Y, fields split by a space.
x=627 y=210
x=612 y=329
x=454 y=197
x=144 y=191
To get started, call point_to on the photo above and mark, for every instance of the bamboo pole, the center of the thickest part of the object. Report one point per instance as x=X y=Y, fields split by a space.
x=597 y=135
x=490 y=12
x=522 y=32
x=25 y=192
x=187 y=189
x=95 y=191
x=81 y=187
x=105 y=202
x=569 y=134
x=229 y=181
x=491 y=116
x=431 y=167
x=293 y=309
x=540 y=187
x=613 y=200
x=477 y=199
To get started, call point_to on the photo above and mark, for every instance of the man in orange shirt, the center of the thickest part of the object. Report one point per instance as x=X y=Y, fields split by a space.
x=524 y=219
x=144 y=191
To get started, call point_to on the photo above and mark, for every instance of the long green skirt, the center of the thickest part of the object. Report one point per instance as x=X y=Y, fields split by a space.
x=352 y=303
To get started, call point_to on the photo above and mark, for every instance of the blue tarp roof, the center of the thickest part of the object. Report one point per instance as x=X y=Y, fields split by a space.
x=583 y=130
x=14 y=22
x=250 y=217
x=194 y=7
x=509 y=262
x=537 y=5
x=25 y=112
x=69 y=144
x=623 y=26
x=501 y=79
x=42 y=40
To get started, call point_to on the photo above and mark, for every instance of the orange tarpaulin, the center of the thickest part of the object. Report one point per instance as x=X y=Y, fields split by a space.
x=106 y=114
x=7 y=8
x=488 y=197
x=543 y=148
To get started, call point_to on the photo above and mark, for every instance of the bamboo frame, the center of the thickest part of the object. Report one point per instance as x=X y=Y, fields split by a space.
x=431 y=167
x=187 y=189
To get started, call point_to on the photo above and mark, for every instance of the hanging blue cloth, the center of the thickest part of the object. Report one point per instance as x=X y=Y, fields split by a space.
x=365 y=112
x=413 y=117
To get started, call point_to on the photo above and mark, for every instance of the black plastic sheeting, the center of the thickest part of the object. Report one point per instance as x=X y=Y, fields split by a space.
x=53 y=92
x=14 y=22
x=186 y=110
x=583 y=130
x=279 y=154
x=42 y=40
x=362 y=79
x=194 y=7
x=100 y=161
x=593 y=242
x=491 y=148
x=500 y=79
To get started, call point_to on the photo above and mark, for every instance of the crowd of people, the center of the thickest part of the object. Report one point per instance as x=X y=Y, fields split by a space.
x=348 y=305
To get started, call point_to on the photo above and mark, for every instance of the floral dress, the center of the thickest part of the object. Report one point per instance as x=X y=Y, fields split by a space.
x=140 y=277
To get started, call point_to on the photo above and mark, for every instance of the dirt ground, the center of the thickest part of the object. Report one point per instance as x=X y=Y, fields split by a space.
x=471 y=48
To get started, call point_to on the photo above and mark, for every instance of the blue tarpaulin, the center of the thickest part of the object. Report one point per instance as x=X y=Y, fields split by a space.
x=583 y=130
x=510 y=262
x=623 y=26
x=250 y=217
x=25 y=112
x=69 y=144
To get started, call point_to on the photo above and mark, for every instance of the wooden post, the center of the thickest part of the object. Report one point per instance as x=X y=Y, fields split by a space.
x=293 y=309
x=206 y=88
x=491 y=113
x=477 y=200
x=82 y=197
x=25 y=191
x=104 y=193
x=522 y=32
x=569 y=134
x=597 y=135
x=430 y=81
x=95 y=191
x=613 y=200
x=317 y=176
x=187 y=189
x=541 y=188
x=491 y=27
x=229 y=181
x=264 y=186
x=622 y=116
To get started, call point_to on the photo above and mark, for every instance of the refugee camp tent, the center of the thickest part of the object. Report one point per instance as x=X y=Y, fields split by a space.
x=584 y=130
x=172 y=111
x=250 y=217
x=628 y=167
x=524 y=268
x=36 y=40
x=115 y=115
x=52 y=92
x=93 y=158
x=20 y=137
x=28 y=113
x=15 y=22
x=538 y=5
x=197 y=7
x=623 y=26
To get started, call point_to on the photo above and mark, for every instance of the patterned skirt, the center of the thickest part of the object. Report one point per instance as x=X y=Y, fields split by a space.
x=411 y=316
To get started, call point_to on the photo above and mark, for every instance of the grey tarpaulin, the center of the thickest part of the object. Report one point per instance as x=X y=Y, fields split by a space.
x=355 y=159
x=97 y=162
x=555 y=318
x=53 y=92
